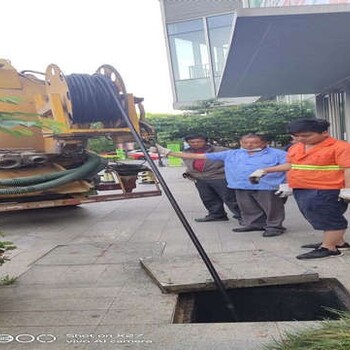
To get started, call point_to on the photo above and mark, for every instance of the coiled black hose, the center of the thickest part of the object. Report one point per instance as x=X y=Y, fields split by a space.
x=93 y=98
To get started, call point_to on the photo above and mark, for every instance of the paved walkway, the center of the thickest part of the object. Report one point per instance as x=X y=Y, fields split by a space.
x=81 y=285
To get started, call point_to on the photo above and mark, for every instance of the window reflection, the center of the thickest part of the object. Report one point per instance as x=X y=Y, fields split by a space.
x=196 y=68
x=219 y=28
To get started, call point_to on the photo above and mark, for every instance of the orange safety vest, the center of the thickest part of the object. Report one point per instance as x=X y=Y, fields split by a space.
x=320 y=167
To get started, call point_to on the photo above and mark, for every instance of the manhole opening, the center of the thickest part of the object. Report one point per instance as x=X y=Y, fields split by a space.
x=290 y=302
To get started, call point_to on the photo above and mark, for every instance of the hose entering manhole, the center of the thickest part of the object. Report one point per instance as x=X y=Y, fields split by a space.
x=227 y=300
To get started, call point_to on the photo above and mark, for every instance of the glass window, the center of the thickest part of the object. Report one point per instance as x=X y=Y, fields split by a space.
x=220 y=21
x=219 y=28
x=193 y=90
x=190 y=60
x=333 y=109
x=185 y=27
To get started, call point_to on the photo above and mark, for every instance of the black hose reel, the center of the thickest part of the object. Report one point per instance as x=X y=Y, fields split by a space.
x=88 y=98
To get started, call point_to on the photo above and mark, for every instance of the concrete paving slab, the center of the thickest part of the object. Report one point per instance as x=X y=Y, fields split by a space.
x=43 y=275
x=64 y=275
x=74 y=254
x=62 y=304
x=13 y=293
x=129 y=251
x=161 y=315
x=238 y=269
x=22 y=259
x=51 y=318
x=120 y=274
x=142 y=300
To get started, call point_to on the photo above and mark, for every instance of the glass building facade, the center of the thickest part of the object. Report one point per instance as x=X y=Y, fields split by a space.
x=198 y=39
x=198 y=50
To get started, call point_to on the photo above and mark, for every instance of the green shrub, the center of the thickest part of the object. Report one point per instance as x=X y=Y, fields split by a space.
x=331 y=335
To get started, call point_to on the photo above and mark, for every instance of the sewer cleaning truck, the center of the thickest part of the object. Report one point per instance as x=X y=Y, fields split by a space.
x=47 y=121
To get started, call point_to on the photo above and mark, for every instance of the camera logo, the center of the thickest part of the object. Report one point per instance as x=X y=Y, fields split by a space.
x=6 y=338
x=27 y=338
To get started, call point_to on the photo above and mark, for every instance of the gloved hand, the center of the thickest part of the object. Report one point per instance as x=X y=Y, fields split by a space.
x=284 y=191
x=153 y=149
x=255 y=176
x=345 y=194
x=162 y=150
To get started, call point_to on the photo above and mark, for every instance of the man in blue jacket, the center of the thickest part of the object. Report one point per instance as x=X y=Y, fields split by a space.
x=261 y=209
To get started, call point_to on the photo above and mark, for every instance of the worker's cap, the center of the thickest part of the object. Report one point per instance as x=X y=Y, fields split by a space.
x=307 y=125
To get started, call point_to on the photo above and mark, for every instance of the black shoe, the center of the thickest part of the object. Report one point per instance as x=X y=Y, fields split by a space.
x=320 y=253
x=239 y=219
x=211 y=218
x=344 y=246
x=247 y=229
x=271 y=232
x=241 y=222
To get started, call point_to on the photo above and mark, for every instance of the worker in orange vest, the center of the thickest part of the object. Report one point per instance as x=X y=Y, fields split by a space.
x=318 y=169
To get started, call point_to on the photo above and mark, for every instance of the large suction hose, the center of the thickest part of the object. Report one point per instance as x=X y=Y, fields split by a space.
x=31 y=180
x=93 y=165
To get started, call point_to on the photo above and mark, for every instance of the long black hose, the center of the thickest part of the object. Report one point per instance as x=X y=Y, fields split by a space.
x=84 y=116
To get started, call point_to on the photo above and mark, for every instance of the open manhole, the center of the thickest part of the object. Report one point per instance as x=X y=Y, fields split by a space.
x=290 y=302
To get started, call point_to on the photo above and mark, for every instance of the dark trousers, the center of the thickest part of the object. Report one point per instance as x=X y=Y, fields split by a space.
x=322 y=208
x=214 y=194
x=260 y=208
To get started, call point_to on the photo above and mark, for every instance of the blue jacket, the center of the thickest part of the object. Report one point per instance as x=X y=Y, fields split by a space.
x=239 y=164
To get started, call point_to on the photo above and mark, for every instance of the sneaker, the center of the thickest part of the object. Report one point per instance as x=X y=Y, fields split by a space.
x=320 y=253
x=211 y=218
x=344 y=246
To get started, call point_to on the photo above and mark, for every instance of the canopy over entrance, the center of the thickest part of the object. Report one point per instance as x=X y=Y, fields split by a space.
x=287 y=50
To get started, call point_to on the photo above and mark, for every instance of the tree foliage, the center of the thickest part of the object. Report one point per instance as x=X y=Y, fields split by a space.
x=19 y=123
x=222 y=124
x=225 y=125
x=101 y=144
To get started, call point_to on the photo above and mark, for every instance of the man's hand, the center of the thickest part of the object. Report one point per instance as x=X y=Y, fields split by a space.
x=162 y=150
x=284 y=191
x=153 y=149
x=255 y=176
x=345 y=194
x=189 y=177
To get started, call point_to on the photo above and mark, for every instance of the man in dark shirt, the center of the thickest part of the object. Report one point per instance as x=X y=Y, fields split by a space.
x=209 y=178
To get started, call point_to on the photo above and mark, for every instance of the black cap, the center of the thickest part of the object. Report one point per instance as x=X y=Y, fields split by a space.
x=308 y=125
